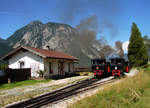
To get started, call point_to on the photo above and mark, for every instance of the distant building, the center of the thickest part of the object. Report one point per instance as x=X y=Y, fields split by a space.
x=49 y=61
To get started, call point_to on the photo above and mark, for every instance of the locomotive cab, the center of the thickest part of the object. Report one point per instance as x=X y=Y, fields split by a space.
x=126 y=67
x=99 y=67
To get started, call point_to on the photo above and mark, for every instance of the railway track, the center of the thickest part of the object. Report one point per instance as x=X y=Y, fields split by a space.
x=60 y=94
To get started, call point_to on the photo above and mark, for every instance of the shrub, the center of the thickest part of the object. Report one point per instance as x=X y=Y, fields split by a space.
x=41 y=73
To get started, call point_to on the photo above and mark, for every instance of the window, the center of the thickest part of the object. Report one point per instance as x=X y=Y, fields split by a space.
x=69 y=67
x=50 y=68
x=21 y=64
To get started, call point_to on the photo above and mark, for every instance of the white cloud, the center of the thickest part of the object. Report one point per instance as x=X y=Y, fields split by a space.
x=125 y=46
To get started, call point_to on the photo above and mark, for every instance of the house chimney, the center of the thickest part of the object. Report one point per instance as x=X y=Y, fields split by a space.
x=48 y=47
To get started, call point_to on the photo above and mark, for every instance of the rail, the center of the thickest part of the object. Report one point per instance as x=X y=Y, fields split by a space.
x=59 y=94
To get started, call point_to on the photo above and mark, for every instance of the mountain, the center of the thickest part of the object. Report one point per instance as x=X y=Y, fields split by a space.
x=60 y=37
x=2 y=40
x=4 y=47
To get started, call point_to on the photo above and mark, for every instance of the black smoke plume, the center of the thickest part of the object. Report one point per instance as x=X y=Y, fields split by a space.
x=108 y=12
x=88 y=29
x=120 y=50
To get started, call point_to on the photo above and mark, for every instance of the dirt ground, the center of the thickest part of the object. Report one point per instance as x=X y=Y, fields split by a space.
x=26 y=92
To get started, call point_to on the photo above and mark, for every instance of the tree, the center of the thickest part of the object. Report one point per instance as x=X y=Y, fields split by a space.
x=137 y=51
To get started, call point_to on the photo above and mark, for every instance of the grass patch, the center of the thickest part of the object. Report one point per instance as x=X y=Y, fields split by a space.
x=83 y=73
x=22 y=83
x=131 y=92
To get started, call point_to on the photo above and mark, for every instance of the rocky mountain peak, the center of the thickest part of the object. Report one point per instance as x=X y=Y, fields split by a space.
x=35 y=23
x=60 y=37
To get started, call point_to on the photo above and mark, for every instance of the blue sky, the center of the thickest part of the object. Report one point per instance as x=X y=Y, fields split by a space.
x=113 y=15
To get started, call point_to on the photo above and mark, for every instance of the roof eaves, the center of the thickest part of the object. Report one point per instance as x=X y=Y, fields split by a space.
x=33 y=51
x=12 y=52
x=64 y=58
x=5 y=56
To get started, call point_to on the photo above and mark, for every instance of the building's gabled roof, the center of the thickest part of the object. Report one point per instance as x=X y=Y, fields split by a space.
x=43 y=53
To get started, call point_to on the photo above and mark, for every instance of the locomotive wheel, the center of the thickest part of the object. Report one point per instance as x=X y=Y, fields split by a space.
x=117 y=76
x=98 y=76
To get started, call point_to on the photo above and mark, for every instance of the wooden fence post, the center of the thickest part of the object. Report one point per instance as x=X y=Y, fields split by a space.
x=9 y=80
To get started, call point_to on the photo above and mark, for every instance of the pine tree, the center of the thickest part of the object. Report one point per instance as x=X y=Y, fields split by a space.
x=137 y=51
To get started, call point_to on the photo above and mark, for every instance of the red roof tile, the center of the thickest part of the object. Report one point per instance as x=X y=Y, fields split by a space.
x=44 y=53
x=52 y=54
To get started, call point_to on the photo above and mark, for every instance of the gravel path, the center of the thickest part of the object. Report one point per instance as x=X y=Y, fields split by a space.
x=132 y=72
x=25 y=92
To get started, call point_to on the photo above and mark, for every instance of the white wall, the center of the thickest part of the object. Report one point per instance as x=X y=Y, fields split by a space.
x=71 y=67
x=66 y=67
x=36 y=62
x=31 y=61
x=54 y=66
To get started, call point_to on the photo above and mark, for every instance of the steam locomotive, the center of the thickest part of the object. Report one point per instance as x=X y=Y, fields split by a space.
x=100 y=67
x=115 y=67
x=118 y=66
